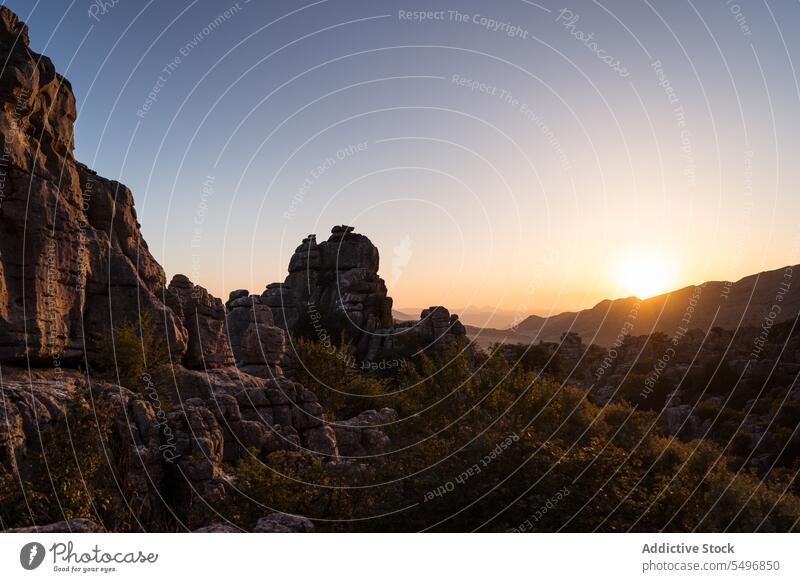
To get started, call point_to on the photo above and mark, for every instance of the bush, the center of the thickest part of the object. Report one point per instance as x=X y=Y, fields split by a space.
x=69 y=475
x=288 y=482
x=137 y=348
x=707 y=410
x=332 y=374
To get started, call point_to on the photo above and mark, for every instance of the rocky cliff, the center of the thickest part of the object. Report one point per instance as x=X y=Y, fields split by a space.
x=71 y=250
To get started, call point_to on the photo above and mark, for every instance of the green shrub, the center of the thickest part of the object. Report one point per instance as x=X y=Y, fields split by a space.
x=136 y=349
x=333 y=375
x=288 y=482
x=69 y=475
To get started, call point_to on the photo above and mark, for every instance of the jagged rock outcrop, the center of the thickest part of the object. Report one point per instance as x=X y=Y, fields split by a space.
x=435 y=329
x=203 y=317
x=72 y=258
x=25 y=408
x=74 y=266
x=436 y=324
x=258 y=344
x=249 y=413
x=333 y=286
x=223 y=416
x=240 y=332
x=70 y=244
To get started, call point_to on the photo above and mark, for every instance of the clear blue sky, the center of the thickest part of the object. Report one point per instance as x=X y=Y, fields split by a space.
x=671 y=132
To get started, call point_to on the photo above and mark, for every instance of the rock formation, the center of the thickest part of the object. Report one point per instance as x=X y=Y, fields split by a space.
x=32 y=404
x=78 y=525
x=272 y=523
x=362 y=435
x=203 y=317
x=70 y=245
x=218 y=528
x=258 y=344
x=333 y=286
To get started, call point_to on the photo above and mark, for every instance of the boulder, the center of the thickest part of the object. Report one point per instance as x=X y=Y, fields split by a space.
x=219 y=528
x=258 y=345
x=333 y=288
x=284 y=523
x=362 y=435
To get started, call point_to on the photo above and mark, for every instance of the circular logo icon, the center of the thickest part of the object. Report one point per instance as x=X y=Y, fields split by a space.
x=31 y=555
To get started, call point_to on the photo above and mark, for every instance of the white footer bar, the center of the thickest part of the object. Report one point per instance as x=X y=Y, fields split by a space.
x=388 y=557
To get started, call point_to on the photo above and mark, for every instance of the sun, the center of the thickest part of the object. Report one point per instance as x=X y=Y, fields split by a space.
x=645 y=273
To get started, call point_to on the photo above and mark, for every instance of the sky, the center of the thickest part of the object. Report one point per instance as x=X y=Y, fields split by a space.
x=529 y=157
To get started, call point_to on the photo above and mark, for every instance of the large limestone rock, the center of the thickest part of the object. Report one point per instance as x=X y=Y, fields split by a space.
x=252 y=413
x=258 y=344
x=224 y=415
x=218 y=528
x=364 y=435
x=70 y=243
x=240 y=332
x=72 y=264
x=228 y=415
x=203 y=317
x=435 y=329
x=333 y=286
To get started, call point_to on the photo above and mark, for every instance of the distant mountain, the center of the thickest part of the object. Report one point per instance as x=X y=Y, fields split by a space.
x=404 y=315
x=763 y=299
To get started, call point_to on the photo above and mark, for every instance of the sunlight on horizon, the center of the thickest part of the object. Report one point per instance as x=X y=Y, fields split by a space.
x=645 y=273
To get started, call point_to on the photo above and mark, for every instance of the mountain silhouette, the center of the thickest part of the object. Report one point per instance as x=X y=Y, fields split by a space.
x=762 y=299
